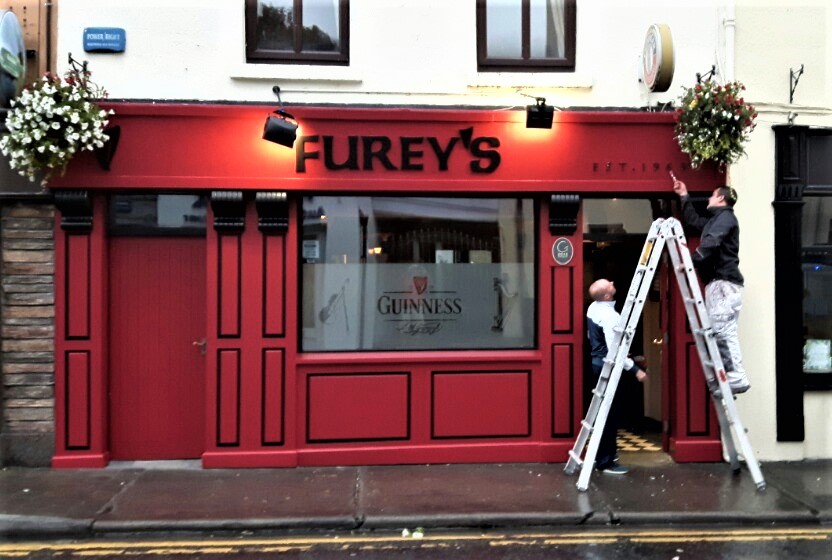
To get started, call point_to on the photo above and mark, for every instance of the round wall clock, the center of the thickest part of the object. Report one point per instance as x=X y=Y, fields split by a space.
x=657 y=58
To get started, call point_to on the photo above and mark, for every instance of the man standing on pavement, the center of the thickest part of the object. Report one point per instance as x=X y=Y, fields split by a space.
x=717 y=261
x=601 y=318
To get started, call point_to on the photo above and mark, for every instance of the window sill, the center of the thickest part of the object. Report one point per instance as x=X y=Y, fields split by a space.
x=296 y=72
x=532 y=79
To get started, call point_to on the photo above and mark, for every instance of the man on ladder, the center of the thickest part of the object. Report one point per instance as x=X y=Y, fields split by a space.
x=717 y=262
x=666 y=234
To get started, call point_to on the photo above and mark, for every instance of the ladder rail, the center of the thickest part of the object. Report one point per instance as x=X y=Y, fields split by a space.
x=709 y=355
x=604 y=393
x=663 y=234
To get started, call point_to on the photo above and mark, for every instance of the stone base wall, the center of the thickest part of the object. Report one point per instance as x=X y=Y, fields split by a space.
x=27 y=332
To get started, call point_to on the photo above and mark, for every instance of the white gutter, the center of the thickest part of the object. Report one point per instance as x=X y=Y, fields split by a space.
x=728 y=24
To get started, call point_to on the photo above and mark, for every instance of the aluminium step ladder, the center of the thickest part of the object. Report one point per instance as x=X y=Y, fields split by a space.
x=663 y=233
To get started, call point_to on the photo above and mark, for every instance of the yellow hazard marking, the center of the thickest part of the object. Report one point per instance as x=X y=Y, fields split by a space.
x=381 y=542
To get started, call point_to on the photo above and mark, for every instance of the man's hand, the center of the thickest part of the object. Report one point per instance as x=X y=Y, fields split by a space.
x=678 y=186
x=641 y=375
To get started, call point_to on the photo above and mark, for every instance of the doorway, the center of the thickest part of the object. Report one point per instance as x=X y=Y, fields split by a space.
x=157 y=301
x=615 y=230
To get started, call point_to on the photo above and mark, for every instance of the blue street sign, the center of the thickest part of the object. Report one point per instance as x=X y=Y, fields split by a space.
x=104 y=39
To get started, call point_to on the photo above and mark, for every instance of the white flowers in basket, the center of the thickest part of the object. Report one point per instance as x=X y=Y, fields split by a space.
x=51 y=121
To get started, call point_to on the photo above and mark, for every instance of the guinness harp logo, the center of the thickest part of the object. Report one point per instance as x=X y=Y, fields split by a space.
x=420 y=283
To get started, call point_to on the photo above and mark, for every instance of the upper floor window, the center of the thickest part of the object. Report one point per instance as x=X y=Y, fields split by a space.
x=526 y=35
x=297 y=31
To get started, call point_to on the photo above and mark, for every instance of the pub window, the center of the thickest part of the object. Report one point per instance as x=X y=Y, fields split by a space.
x=157 y=214
x=297 y=31
x=405 y=273
x=817 y=290
x=526 y=35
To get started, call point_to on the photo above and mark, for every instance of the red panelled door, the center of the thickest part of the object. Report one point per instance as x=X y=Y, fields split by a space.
x=693 y=434
x=157 y=373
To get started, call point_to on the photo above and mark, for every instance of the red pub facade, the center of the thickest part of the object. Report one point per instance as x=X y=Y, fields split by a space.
x=403 y=286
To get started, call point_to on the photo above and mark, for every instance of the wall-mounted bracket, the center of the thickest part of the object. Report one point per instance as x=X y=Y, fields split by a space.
x=794 y=77
x=707 y=75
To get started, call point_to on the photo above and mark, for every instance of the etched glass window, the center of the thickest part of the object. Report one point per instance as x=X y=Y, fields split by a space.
x=406 y=273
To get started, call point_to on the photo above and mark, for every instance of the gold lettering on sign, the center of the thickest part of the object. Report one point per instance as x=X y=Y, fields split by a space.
x=628 y=167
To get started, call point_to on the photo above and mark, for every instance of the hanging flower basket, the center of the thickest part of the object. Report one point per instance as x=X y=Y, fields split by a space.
x=52 y=120
x=714 y=123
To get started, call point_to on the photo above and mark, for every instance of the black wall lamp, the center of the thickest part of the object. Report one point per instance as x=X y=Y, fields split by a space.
x=539 y=115
x=281 y=127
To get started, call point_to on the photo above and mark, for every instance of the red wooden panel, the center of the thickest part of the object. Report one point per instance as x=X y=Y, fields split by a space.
x=78 y=400
x=273 y=284
x=229 y=297
x=563 y=299
x=273 y=396
x=228 y=390
x=157 y=373
x=358 y=407
x=562 y=390
x=481 y=404
x=77 y=284
x=697 y=391
x=211 y=146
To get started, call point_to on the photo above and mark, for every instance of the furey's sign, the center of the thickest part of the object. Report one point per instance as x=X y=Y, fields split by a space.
x=403 y=153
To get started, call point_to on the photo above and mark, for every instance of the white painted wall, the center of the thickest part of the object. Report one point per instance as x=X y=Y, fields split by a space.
x=401 y=52
x=773 y=37
x=423 y=52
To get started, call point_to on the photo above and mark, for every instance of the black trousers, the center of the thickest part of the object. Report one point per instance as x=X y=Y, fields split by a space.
x=608 y=448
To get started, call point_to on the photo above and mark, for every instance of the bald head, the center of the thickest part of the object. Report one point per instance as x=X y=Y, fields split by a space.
x=602 y=290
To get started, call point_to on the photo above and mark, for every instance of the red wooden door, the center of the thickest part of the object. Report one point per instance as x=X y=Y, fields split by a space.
x=693 y=426
x=157 y=373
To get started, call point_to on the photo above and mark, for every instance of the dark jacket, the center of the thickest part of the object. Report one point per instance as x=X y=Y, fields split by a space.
x=601 y=320
x=717 y=257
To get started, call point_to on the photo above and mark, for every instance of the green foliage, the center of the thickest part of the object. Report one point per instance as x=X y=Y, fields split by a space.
x=714 y=123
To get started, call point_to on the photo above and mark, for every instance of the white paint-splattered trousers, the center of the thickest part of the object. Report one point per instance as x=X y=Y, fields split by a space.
x=723 y=300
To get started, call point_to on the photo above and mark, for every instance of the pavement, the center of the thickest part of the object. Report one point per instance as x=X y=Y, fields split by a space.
x=181 y=497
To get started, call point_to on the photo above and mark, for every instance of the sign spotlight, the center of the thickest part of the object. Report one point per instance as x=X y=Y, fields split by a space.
x=539 y=115
x=281 y=127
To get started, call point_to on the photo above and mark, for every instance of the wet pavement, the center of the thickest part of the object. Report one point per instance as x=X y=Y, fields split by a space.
x=46 y=503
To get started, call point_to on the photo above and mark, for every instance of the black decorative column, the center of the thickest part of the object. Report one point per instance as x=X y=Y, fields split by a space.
x=229 y=209
x=563 y=213
x=76 y=210
x=790 y=172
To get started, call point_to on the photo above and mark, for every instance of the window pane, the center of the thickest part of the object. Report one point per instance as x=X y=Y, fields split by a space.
x=157 y=214
x=503 y=28
x=817 y=285
x=817 y=221
x=384 y=273
x=320 y=26
x=275 y=21
x=548 y=28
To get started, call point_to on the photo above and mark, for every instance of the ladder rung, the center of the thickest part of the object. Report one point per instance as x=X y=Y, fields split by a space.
x=586 y=425
x=598 y=393
x=575 y=457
